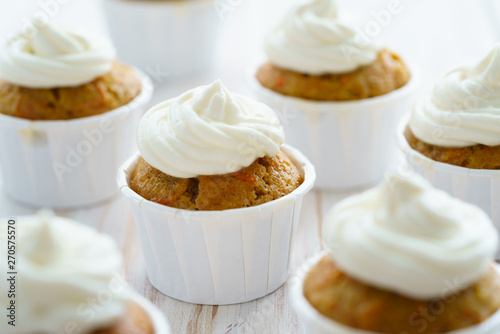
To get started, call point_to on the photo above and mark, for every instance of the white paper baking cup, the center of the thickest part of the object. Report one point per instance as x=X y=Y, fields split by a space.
x=68 y=163
x=350 y=143
x=477 y=186
x=316 y=323
x=160 y=324
x=218 y=257
x=177 y=37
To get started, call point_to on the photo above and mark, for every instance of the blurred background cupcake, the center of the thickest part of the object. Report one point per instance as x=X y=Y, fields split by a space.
x=452 y=136
x=402 y=258
x=68 y=111
x=344 y=93
x=70 y=280
x=180 y=37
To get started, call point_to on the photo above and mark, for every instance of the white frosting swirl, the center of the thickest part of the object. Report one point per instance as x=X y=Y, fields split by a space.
x=68 y=276
x=208 y=131
x=56 y=56
x=464 y=107
x=407 y=237
x=314 y=39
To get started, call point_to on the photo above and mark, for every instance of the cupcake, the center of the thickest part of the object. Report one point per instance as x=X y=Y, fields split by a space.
x=62 y=73
x=216 y=195
x=66 y=278
x=403 y=258
x=244 y=168
x=165 y=37
x=67 y=113
x=342 y=95
x=451 y=136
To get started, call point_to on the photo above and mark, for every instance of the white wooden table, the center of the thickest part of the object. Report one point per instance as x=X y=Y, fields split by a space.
x=436 y=35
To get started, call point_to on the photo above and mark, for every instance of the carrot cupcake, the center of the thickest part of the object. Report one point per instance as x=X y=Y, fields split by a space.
x=316 y=54
x=182 y=168
x=212 y=181
x=70 y=108
x=457 y=123
x=403 y=258
x=67 y=279
x=340 y=95
x=63 y=73
x=452 y=137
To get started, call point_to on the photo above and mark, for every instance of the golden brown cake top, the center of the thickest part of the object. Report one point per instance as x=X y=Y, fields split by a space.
x=476 y=157
x=116 y=88
x=356 y=304
x=264 y=180
x=384 y=75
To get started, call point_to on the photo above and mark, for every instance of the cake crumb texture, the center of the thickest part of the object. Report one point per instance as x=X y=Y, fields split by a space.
x=358 y=305
x=386 y=74
x=110 y=91
x=265 y=180
x=476 y=156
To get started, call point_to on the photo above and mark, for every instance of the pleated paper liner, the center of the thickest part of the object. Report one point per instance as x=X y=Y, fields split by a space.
x=68 y=163
x=218 y=257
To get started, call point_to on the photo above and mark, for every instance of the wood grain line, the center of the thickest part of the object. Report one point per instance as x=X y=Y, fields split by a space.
x=192 y=326
x=215 y=309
